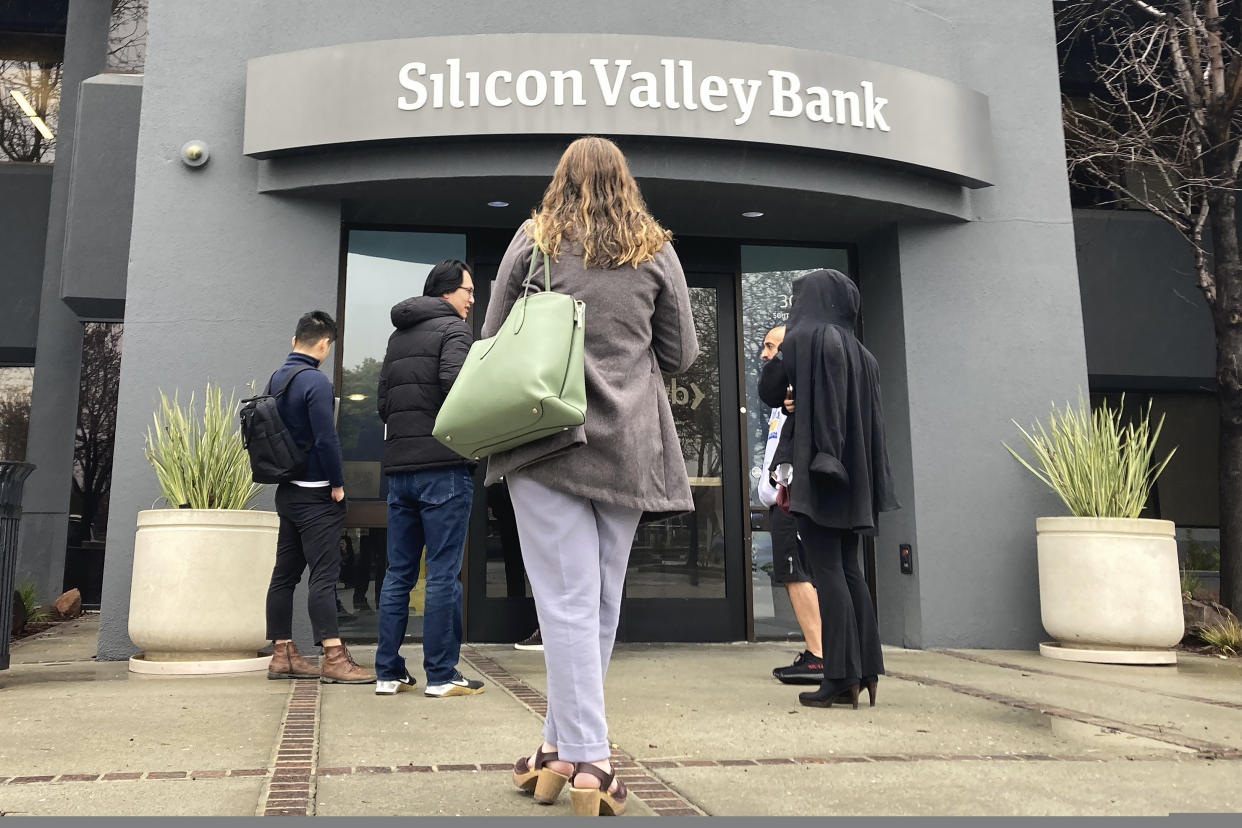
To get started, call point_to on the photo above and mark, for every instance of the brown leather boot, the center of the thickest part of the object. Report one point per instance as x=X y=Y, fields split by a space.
x=287 y=663
x=338 y=667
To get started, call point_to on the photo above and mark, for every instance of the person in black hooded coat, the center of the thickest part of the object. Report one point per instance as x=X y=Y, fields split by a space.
x=841 y=475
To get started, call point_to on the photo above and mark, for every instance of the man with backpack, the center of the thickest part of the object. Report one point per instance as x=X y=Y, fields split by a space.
x=310 y=501
x=430 y=488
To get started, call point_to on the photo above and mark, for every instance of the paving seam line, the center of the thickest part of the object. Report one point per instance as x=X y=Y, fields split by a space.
x=1043 y=672
x=290 y=788
x=484 y=767
x=653 y=790
x=1207 y=750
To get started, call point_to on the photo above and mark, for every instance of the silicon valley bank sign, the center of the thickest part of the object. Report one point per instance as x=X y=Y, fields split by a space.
x=558 y=84
x=674 y=88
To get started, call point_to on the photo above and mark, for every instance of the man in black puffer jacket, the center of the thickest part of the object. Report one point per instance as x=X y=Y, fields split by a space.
x=430 y=488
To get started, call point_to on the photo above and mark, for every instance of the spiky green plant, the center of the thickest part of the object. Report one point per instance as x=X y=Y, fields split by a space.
x=1190 y=582
x=1097 y=465
x=28 y=594
x=199 y=459
x=1224 y=638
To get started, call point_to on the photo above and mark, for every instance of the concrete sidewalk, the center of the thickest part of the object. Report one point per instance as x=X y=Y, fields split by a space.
x=699 y=729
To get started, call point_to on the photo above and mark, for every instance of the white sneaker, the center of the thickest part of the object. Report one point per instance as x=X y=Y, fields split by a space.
x=459 y=685
x=385 y=687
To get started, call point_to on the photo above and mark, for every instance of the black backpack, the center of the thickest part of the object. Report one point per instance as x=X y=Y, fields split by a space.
x=275 y=457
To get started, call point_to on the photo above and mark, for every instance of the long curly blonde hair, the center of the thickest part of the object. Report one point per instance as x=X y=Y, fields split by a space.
x=593 y=200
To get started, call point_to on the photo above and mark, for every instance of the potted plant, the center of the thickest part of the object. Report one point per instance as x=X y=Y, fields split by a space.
x=1109 y=581
x=201 y=565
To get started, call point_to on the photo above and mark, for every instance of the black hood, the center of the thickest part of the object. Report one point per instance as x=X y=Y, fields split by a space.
x=824 y=297
x=418 y=309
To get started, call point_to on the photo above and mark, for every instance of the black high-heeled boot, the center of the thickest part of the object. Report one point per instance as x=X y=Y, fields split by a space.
x=839 y=691
x=870 y=684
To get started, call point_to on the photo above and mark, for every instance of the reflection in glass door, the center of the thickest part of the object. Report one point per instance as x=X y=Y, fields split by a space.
x=685 y=577
x=685 y=557
x=382 y=268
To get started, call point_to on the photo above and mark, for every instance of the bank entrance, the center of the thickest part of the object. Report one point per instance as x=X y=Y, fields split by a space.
x=697 y=577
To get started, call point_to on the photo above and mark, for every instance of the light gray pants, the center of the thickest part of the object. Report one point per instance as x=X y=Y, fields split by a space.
x=576 y=551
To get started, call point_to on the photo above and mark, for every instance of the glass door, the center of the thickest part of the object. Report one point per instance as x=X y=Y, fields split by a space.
x=382 y=267
x=686 y=576
x=767 y=275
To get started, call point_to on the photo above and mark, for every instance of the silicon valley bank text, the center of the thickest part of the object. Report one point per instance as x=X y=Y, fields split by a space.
x=673 y=87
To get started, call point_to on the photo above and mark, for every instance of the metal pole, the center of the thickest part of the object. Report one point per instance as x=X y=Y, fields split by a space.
x=12 y=477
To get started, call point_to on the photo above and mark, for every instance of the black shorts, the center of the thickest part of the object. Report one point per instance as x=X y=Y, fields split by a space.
x=788 y=558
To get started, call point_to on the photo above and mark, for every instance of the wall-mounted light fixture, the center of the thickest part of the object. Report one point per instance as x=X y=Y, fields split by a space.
x=356 y=397
x=195 y=153
x=753 y=214
x=38 y=122
x=497 y=204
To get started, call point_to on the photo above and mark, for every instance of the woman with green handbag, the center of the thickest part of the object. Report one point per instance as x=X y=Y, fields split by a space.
x=578 y=496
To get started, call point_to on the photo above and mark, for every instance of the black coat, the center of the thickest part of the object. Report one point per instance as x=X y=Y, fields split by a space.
x=841 y=474
x=425 y=354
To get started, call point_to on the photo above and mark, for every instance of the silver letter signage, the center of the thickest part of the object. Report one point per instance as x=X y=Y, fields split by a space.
x=561 y=84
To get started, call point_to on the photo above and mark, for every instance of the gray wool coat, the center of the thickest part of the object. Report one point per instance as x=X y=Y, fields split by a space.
x=638 y=324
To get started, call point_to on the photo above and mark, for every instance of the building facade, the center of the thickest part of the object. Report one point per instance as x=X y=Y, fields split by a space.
x=344 y=150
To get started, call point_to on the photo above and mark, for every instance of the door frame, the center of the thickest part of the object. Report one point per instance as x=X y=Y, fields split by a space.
x=710 y=619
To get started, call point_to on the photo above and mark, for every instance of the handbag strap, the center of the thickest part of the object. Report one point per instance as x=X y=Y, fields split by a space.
x=530 y=273
x=526 y=284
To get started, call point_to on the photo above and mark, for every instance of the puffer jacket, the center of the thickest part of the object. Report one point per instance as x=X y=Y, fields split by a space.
x=425 y=354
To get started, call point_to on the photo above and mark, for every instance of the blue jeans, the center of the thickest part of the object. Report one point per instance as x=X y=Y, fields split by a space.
x=431 y=508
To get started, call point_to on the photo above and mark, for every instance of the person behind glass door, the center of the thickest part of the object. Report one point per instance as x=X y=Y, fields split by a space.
x=312 y=514
x=789 y=564
x=579 y=496
x=430 y=487
x=841 y=477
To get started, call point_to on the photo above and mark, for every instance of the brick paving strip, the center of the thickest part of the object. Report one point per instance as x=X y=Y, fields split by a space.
x=654 y=785
x=657 y=794
x=1203 y=749
x=290 y=790
x=991 y=662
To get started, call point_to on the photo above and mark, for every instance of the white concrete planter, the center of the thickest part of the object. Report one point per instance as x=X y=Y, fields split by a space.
x=1109 y=589
x=199 y=587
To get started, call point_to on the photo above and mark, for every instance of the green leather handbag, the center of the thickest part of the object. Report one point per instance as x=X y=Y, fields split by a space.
x=524 y=383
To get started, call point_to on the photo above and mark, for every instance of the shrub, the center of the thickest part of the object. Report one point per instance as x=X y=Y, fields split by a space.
x=1224 y=638
x=1202 y=556
x=1098 y=466
x=199 y=460
x=28 y=593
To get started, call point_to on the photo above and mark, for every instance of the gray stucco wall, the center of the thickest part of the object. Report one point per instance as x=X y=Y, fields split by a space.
x=898 y=601
x=219 y=271
x=53 y=407
x=1145 y=315
x=101 y=197
x=25 y=193
x=993 y=331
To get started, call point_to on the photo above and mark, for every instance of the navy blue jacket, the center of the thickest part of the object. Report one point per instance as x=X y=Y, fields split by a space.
x=307 y=409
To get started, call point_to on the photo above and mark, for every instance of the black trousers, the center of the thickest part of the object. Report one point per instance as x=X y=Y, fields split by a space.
x=851 y=635
x=310 y=531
